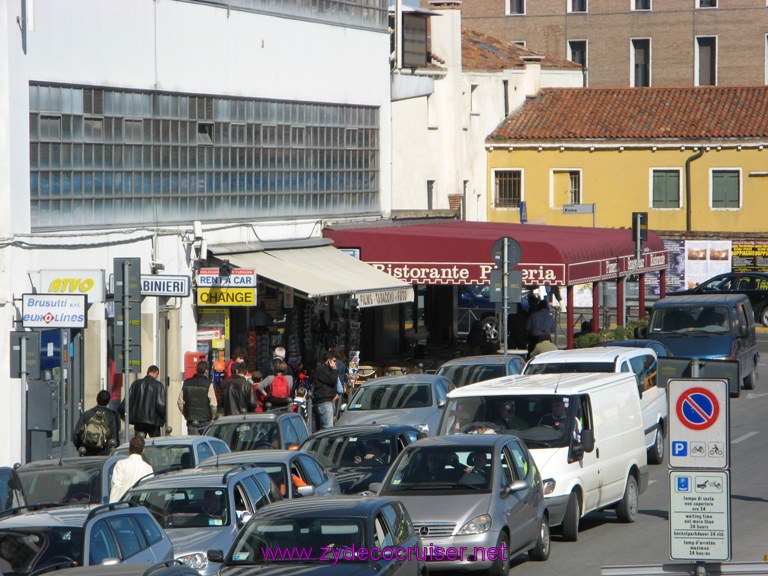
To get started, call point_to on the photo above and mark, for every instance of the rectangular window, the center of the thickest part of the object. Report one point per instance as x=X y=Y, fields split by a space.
x=706 y=61
x=577 y=52
x=666 y=189
x=237 y=133
x=725 y=189
x=50 y=127
x=515 y=7
x=430 y=194
x=641 y=62
x=509 y=187
x=574 y=179
x=205 y=132
x=707 y=3
x=566 y=187
x=641 y=4
x=93 y=129
x=133 y=131
x=577 y=6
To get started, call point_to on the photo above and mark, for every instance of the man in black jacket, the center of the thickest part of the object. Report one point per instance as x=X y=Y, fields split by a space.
x=238 y=396
x=197 y=400
x=325 y=379
x=102 y=400
x=147 y=410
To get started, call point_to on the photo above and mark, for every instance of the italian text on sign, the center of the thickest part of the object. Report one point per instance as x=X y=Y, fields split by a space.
x=238 y=278
x=382 y=297
x=226 y=297
x=698 y=423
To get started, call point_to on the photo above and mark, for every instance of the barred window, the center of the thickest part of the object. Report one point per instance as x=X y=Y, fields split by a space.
x=508 y=185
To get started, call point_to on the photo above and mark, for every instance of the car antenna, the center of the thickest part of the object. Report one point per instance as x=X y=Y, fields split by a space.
x=557 y=384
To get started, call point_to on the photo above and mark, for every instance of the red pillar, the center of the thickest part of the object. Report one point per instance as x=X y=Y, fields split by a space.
x=662 y=283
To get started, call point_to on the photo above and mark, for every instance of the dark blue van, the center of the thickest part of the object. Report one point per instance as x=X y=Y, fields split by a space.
x=709 y=327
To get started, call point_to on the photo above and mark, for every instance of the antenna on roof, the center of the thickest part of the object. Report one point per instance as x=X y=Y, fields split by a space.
x=559 y=377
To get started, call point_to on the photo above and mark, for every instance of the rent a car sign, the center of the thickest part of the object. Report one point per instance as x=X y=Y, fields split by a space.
x=238 y=278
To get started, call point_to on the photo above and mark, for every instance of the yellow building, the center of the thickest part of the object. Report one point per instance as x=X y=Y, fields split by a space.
x=693 y=158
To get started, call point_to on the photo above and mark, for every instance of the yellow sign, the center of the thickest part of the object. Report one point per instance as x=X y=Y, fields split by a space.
x=226 y=297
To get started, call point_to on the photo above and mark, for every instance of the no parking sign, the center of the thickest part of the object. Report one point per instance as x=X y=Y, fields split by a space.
x=698 y=423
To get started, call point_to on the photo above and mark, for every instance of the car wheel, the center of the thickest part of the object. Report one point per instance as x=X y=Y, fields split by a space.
x=627 y=508
x=540 y=551
x=501 y=566
x=656 y=453
x=570 y=525
x=751 y=380
x=763 y=316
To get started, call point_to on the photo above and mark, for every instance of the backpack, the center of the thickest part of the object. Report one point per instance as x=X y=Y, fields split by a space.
x=96 y=432
x=279 y=387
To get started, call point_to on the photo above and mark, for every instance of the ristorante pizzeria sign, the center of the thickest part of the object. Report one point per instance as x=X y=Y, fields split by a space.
x=467 y=272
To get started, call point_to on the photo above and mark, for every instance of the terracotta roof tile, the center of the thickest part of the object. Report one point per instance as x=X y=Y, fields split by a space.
x=481 y=52
x=639 y=113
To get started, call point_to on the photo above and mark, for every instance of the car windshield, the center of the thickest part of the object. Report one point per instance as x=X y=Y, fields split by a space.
x=193 y=507
x=568 y=367
x=345 y=450
x=243 y=435
x=59 y=484
x=24 y=550
x=443 y=469
x=391 y=397
x=527 y=416
x=684 y=320
x=278 y=539
x=461 y=375
x=166 y=456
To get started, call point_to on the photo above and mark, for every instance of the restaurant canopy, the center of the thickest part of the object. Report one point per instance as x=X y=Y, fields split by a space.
x=460 y=252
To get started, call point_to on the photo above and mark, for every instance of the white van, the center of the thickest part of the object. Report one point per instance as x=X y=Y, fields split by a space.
x=585 y=432
x=640 y=361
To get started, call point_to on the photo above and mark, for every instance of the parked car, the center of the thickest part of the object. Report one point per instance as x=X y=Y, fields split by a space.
x=168 y=568
x=203 y=508
x=321 y=528
x=260 y=430
x=416 y=399
x=360 y=455
x=471 y=369
x=640 y=361
x=282 y=465
x=661 y=349
x=172 y=452
x=43 y=538
x=86 y=479
x=753 y=284
x=11 y=490
x=476 y=491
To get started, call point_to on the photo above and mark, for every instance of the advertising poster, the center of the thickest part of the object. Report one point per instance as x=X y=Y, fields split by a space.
x=750 y=256
x=704 y=259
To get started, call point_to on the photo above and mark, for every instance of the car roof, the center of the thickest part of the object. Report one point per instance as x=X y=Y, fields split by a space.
x=73 y=516
x=248 y=456
x=403 y=379
x=328 y=507
x=251 y=417
x=70 y=462
x=723 y=298
x=456 y=441
x=519 y=384
x=185 y=440
x=633 y=343
x=364 y=430
x=600 y=354
x=479 y=360
x=189 y=477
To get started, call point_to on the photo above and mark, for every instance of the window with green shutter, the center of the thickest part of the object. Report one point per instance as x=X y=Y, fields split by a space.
x=666 y=189
x=725 y=189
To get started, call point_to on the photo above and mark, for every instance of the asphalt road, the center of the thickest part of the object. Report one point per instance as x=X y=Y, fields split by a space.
x=603 y=541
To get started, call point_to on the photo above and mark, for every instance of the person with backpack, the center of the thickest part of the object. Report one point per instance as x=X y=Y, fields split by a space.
x=96 y=427
x=278 y=387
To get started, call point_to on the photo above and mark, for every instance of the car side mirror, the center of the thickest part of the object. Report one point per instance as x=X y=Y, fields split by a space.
x=641 y=332
x=588 y=440
x=515 y=486
x=242 y=518
x=343 y=407
x=110 y=562
x=215 y=556
x=305 y=490
x=442 y=403
x=375 y=487
x=743 y=332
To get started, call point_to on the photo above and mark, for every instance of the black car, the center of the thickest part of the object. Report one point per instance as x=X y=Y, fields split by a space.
x=260 y=431
x=753 y=284
x=661 y=349
x=360 y=455
x=335 y=536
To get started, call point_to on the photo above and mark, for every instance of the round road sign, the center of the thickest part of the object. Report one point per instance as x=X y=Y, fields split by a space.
x=697 y=408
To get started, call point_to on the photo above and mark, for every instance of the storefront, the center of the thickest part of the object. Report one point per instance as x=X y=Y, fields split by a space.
x=453 y=253
x=306 y=296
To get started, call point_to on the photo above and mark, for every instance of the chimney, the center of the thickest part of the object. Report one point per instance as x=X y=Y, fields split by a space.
x=532 y=82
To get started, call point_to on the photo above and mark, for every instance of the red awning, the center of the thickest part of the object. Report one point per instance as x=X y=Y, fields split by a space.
x=459 y=252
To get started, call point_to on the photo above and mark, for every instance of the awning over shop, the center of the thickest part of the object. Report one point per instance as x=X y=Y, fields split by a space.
x=459 y=252
x=319 y=271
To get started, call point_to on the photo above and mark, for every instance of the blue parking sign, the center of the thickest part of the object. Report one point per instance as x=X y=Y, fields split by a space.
x=679 y=448
x=683 y=484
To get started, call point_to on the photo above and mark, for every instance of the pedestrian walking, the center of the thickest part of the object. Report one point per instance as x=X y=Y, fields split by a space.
x=147 y=410
x=325 y=381
x=197 y=400
x=96 y=431
x=238 y=396
x=277 y=356
x=129 y=470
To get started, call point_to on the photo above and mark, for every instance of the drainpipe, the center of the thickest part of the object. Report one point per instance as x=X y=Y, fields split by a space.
x=699 y=153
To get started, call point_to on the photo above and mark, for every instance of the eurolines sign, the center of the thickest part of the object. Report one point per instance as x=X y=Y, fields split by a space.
x=54 y=310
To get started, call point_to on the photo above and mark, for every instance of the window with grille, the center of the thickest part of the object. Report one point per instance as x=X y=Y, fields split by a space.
x=574 y=179
x=725 y=189
x=50 y=127
x=666 y=189
x=508 y=185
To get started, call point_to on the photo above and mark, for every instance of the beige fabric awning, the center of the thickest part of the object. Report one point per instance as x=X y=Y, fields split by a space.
x=320 y=271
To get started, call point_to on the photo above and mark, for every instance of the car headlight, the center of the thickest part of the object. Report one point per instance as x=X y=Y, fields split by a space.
x=423 y=427
x=197 y=560
x=477 y=525
x=549 y=486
